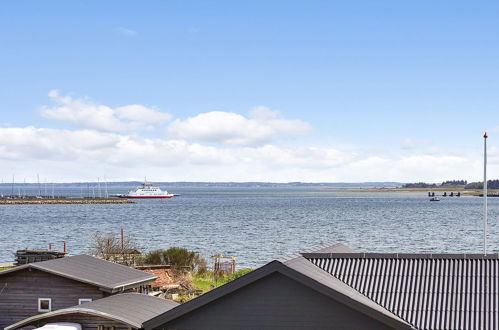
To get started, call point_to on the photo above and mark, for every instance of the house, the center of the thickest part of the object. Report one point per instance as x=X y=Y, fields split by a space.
x=120 y=311
x=292 y=294
x=50 y=285
x=337 y=288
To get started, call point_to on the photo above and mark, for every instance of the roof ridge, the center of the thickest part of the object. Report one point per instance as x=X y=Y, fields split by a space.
x=374 y=255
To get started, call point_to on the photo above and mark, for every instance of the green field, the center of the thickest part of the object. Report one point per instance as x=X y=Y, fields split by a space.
x=206 y=281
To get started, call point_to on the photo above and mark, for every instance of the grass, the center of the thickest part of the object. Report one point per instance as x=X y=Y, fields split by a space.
x=4 y=268
x=206 y=281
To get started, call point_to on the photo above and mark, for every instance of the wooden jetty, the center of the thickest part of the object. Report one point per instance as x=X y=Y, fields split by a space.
x=62 y=200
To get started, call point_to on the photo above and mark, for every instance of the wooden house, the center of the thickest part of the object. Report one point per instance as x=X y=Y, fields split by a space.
x=50 y=285
x=117 y=312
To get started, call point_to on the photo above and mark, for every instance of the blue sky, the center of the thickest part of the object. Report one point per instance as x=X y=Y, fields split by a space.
x=387 y=90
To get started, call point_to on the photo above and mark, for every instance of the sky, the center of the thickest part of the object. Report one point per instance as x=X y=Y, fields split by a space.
x=281 y=91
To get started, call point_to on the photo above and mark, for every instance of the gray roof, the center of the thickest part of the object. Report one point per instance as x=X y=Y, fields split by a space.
x=302 y=271
x=108 y=276
x=133 y=309
x=429 y=291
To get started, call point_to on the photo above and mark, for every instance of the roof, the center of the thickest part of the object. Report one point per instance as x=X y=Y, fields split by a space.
x=302 y=271
x=133 y=309
x=333 y=248
x=429 y=291
x=164 y=278
x=108 y=276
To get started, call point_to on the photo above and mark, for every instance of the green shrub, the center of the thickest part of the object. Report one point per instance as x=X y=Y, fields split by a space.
x=177 y=257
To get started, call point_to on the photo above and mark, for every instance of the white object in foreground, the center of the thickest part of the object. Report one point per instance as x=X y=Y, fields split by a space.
x=61 y=326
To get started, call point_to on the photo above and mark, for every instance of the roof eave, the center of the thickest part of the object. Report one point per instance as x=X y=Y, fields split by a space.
x=101 y=286
x=67 y=311
x=121 y=288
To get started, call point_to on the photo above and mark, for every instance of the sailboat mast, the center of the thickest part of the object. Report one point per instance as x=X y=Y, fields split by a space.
x=485 y=193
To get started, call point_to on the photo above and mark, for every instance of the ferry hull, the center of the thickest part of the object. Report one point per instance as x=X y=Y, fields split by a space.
x=146 y=197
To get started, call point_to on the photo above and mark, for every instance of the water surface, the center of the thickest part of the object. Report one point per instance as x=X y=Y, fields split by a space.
x=259 y=225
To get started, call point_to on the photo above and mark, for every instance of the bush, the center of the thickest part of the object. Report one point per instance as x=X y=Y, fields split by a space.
x=177 y=257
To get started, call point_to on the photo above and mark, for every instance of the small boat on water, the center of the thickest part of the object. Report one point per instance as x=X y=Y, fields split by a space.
x=146 y=190
x=434 y=199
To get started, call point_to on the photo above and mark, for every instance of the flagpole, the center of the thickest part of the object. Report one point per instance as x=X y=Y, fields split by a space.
x=485 y=193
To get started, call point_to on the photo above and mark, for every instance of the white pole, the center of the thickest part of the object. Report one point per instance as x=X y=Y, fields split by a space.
x=105 y=185
x=98 y=185
x=485 y=193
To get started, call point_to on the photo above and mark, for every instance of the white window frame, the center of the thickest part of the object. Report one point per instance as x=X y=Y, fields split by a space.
x=84 y=300
x=44 y=310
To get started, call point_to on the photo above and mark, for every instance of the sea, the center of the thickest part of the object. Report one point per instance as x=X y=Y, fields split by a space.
x=258 y=225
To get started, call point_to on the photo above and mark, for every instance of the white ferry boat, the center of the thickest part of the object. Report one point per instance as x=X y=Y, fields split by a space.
x=147 y=190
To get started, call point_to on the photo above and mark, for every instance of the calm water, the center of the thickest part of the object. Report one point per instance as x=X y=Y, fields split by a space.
x=259 y=225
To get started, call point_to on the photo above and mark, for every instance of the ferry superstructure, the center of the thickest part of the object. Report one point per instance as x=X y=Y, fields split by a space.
x=147 y=190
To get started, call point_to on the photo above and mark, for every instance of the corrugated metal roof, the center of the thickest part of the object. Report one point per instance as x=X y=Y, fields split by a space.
x=133 y=309
x=298 y=269
x=428 y=291
x=333 y=248
x=107 y=275
x=344 y=293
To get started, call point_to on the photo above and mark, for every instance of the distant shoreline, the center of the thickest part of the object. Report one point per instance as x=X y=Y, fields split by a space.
x=464 y=192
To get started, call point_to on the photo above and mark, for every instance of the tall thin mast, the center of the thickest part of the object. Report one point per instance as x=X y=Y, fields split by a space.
x=39 y=186
x=98 y=185
x=485 y=193
x=105 y=185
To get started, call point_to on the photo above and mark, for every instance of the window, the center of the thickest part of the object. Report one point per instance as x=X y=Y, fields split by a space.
x=84 y=300
x=44 y=304
x=103 y=327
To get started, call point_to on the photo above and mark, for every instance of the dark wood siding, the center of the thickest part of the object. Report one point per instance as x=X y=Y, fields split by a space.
x=19 y=293
x=89 y=322
x=275 y=302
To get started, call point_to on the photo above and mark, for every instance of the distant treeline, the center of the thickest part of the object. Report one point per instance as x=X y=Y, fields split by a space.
x=420 y=185
x=454 y=183
x=491 y=184
x=434 y=185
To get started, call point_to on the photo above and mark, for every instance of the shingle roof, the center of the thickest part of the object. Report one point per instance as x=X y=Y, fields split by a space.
x=133 y=309
x=109 y=276
x=430 y=291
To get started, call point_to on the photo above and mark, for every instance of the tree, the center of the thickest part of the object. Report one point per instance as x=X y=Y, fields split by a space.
x=176 y=257
x=108 y=247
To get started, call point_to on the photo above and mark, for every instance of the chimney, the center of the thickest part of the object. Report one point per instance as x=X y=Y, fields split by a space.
x=65 y=247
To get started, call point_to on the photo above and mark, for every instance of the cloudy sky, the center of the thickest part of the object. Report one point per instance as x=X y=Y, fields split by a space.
x=317 y=91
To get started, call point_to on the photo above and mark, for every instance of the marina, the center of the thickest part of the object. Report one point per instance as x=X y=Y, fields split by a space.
x=61 y=200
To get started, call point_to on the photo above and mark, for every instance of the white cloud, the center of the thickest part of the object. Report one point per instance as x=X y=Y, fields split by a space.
x=140 y=113
x=87 y=114
x=85 y=154
x=127 y=32
x=411 y=144
x=234 y=129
